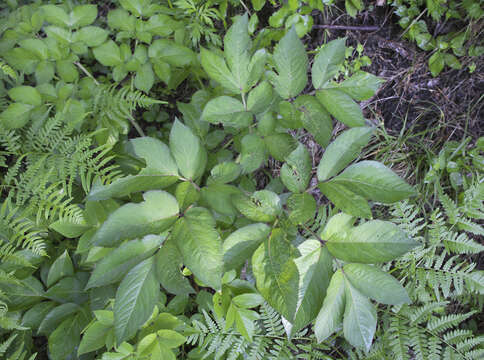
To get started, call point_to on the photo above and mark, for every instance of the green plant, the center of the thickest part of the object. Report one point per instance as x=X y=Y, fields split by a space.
x=446 y=46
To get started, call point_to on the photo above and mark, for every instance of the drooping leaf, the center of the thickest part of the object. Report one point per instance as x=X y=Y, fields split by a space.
x=374 y=181
x=156 y=213
x=291 y=63
x=330 y=316
x=117 y=263
x=135 y=300
x=200 y=245
x=364 y=277
x=343 y=150
x=241 y=244
x=276 y=273
x=359 y=322
x=327 y=62
x=187 y=150
x=61 y=267
x=375 y=241
x=341 y=106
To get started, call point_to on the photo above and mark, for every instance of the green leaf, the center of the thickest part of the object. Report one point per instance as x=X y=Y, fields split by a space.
x=34 y=316
x=108 y=54
x=236 y=51
x=296 y=171
x=252 y=153
x=341 y=106
x=145 y=78
x=227 y=111
x=168 y=269
x=343 y=150
x=94 y=338
x=137 y=7
x=364 y=277
x=56 y=316
x=436 y=63
x=276 y=273
x=155 y=214
x=117 y=263
x=186 y=194
x=280 y=145
x=26 y=95
x=346 y=200
x=315 y=271
x=331 y=314
x=315 y=118
x=65 y=339
x=257 y=66
x=375 y=241
x=248 y=300
x=302 y=208
x=241 y=244
x=291 y=62
x=167 y=51
x=55 y=15
x=160 y=171
x=338 y=223
x=258 y=4
x=263 y=205
x=359 y=322
x=374 y=181
x=68 y=289
x=223 y=173
x=260 y=98
x=219 y=198
x=121 y=19
x=200 y=245
x=69 y=229
x=61 y=267
x=187 y=150
x=171 y=339
x=361 y=86
x=83 y=15
x=136 y=298
x=15 y=116
x=327 y=62
x=67 y=71
x=217 y=69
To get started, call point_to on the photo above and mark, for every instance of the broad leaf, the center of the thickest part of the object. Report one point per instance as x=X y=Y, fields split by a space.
x=65 y=339
x=375 y=241
x=301 y=208
x=94 y=338
x=276 y=273
x=296 y=171
x=160 y=171
x=331 y=314
x=227 y=111
x=135 y=300
x=56 y=316
x=168 y=264
x=169 y=52
x=346 y=200
x=263 y=205
x=341 y=106
x=315 y=271
x=315 y=118
x=374 y=181
x=156 y=213
x=291 y=63
x=117 y=263
x=241 y=244
x=236 y=51
x=108 y=54
x=217 y=69
x=200 y=246
x=253 y=153
x=187 y=150
x=343 y=150
x=26 y=95
x=364 y=277
x=327 y=62
x=280 y=145
x=260 y=98
x=359 y=322
x=61 y=267
x=360 y=86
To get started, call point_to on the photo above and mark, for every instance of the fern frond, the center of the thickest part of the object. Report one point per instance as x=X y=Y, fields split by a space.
x=7 y=70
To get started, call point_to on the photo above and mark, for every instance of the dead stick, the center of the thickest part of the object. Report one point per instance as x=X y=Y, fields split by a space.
x=344 y=27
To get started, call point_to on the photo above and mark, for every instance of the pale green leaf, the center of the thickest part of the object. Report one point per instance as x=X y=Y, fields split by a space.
x=315 y=118
x=302 y=208
x=93 y=338
x=236 y=51
x=263 y=205
x=346 y=200
x=360 y=86
x=26 y=95
x=327 y=62
x=217 y=69
x=61 y=267
x=341 y=106
x=296 y=171
x=227 y=111
x=108 y=54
